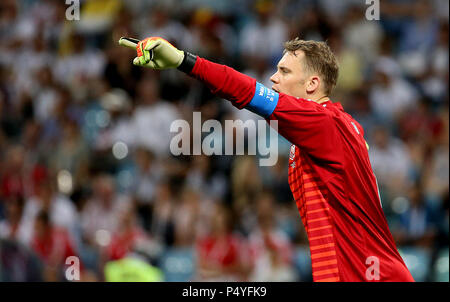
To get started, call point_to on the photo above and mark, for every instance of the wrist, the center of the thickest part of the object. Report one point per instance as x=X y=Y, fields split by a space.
x=188 y=62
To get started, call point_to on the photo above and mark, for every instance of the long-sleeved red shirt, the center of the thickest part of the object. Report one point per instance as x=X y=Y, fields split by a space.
x=330 y=176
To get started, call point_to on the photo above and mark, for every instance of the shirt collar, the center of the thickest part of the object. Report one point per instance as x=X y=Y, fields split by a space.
x=330 y=103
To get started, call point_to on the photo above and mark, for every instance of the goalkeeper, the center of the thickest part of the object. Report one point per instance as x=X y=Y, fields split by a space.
x=330 y=174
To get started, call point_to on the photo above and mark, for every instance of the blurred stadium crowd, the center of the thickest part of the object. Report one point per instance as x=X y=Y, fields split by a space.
x=85 y=165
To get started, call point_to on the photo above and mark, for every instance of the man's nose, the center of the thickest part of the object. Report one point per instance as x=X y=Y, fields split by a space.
x=274 y=78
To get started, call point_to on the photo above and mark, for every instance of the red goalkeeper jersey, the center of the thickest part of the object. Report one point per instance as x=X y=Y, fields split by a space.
x=330 y=176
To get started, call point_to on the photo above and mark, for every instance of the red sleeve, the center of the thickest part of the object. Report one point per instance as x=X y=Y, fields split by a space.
x=225 y=82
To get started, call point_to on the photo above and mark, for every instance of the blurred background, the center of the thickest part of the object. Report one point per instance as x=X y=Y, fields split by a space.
x=85 y=165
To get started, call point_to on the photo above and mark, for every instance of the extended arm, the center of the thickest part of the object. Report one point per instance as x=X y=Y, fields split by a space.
x=157 y=53
x=304 y=123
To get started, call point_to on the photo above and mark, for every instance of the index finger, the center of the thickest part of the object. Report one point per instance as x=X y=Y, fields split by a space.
x=128 y=42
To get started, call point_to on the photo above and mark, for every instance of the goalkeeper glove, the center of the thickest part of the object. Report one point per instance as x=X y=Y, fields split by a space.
x=154 y=52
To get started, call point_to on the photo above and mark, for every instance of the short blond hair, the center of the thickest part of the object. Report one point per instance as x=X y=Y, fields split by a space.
x=318 y=58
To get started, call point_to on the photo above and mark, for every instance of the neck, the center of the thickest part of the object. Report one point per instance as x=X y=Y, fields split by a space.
x=321 y=100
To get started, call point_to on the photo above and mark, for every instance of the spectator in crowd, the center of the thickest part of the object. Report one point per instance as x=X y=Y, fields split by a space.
x=60 y=210
x=30 y=62
x=390 y=161
x=436 y=169
x=351 y=66
x=419 y=222
x=159 y=23
x=13 y=178
x=149 y=174
x=274 y=180
x=162 y=222
x=265 y=27
x=271 y=250
x=71 y=154
x=12 y=227
x=117 y=105
x=312 y=24
x=203 y=178
x=390 y=94
x=362 y=36
x=152 y=113
x=99 y=216
x=244 y=188
x=221 y=254
x=81 y=64
x=360 y=109
x=19 y=263
x=53 y=245
x=185 y=216
x=128 y=238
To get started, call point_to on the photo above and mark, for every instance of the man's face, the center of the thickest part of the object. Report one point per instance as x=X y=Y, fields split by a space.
x=291 y=78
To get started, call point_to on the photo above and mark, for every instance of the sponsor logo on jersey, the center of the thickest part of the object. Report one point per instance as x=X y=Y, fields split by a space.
x=292 y=153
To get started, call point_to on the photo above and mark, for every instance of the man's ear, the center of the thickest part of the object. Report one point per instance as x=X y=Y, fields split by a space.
x=312 y=85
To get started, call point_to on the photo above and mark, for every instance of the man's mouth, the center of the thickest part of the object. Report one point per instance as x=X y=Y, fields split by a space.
x=274 y=89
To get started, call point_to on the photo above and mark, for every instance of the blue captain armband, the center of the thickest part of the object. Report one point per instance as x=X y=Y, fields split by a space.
x=264 y=101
